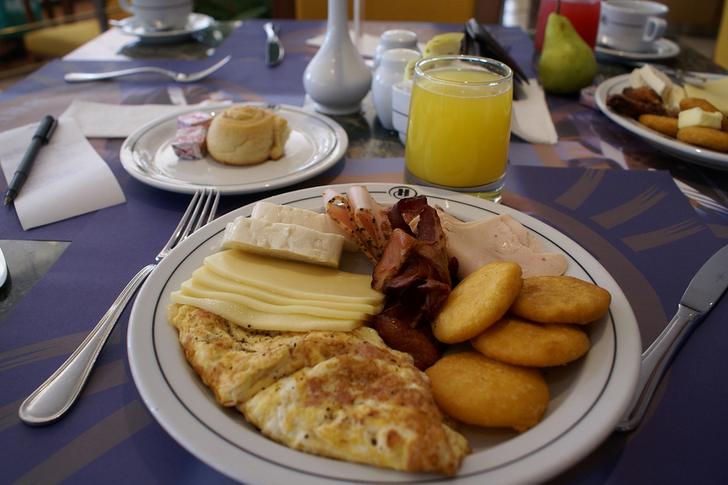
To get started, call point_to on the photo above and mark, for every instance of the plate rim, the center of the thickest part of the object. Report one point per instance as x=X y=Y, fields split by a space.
x=126 y=154
x=676 y=148
x=584 y=436
x=673 y=50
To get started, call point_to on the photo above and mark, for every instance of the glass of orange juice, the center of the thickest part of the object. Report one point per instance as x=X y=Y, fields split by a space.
x=459 y=125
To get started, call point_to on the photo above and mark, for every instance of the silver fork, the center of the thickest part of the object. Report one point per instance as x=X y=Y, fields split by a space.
x=77 y=77
x=52 y=400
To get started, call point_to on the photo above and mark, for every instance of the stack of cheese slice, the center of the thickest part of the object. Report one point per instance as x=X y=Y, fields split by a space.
x=265 y=293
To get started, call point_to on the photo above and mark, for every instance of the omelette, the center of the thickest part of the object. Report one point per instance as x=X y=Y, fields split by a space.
x=341 y=395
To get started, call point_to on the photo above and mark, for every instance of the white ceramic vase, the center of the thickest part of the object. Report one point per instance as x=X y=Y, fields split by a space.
x=337 y=79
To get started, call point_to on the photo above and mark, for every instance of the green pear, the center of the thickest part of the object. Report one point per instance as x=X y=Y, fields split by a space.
x=567 y=62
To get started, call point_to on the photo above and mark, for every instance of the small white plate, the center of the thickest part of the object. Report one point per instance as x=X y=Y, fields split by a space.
x=674 y=147
x=588 y=397
x=663 y=49
x=195 y=23
x=316 y=143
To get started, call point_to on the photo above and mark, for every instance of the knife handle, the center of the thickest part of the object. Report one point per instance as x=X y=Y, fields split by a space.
x=654 y=364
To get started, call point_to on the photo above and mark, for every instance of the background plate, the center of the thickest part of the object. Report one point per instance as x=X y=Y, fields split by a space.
x=663 y=49
x=196 y=22
x=315 y=144
x=588 y=396
x=674 y=147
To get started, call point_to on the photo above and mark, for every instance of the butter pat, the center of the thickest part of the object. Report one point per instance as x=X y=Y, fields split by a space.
x=288 y=241
x=653 y=78
x=698 y=117
x=676 y=94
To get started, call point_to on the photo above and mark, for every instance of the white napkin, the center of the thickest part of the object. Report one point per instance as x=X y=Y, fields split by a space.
x=100 y=120
x=531 y=120
x=68 y=177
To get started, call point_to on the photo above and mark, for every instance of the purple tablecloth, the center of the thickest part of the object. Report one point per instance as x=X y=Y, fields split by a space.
x=637 y=223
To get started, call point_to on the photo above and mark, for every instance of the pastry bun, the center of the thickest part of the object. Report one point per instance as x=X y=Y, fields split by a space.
x=244 y=135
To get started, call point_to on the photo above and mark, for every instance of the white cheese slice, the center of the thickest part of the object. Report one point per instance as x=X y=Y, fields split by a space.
x=676 y=94
x=653 y=78
x=294 y=279
x=288 y=241
x=269 y=212
x=698 y=117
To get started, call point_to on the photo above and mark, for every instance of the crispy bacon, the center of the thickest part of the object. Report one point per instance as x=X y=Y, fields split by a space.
x=415 y=272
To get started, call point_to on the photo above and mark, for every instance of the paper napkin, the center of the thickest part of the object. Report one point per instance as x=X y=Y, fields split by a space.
x=531 y=120
x=101 y=120
x=68 y=178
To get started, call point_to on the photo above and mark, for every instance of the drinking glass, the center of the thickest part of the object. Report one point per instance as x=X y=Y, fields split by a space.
x=459 y=125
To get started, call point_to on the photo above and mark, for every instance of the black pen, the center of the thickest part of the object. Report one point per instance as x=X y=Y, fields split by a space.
x=41 y=137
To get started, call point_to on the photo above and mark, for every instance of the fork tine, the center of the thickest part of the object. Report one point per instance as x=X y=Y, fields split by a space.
x=184 y=221
x=207 y=213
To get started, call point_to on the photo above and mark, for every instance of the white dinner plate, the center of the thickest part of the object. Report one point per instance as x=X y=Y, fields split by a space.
x=673 y=146
x=662 y=49
x=316 y=143
x=588 y=396
x=196 y=22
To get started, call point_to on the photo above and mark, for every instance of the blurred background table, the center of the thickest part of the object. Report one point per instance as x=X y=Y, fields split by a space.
x=65 y=275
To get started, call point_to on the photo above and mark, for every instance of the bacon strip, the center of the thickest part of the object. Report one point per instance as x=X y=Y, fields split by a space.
x=415 y=272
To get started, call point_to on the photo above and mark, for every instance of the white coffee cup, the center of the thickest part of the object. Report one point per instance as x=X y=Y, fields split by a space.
x=159 y=14
x=632 y=26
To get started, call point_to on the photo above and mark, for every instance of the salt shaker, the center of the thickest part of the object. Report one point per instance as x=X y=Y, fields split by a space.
x=389 y=72
x=394 y=39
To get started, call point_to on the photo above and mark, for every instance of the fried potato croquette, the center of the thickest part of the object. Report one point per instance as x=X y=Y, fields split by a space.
x=689 y=103
x=664 y=124
x=477 y=390
x=561 y=299
x=479 y=301
x=517 y=341
x=705 y=137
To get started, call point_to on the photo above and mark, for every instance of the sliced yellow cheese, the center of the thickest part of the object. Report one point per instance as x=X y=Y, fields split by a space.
x=714 y=92
x=698 y=117
x=288 y=241
x=294 y=279
x=206 y=284
x=250 y=318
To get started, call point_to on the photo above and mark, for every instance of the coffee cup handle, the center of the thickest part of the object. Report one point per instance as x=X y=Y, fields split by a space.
x=654 y=29
x=125 y=6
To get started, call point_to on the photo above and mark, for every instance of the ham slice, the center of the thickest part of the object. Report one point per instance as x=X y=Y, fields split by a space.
x=499 y=238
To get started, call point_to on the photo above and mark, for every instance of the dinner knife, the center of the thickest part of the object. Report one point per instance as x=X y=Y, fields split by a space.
x=706 y=287
x=274 y=50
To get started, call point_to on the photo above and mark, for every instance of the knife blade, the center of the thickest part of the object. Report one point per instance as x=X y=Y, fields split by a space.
x=704 y=290
x=274 y=51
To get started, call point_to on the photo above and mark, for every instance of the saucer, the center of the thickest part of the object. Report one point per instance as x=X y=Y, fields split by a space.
x=662 y=49
x=195 y=23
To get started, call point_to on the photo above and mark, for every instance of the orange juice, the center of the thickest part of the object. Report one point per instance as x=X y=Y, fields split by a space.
x=459 y=128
